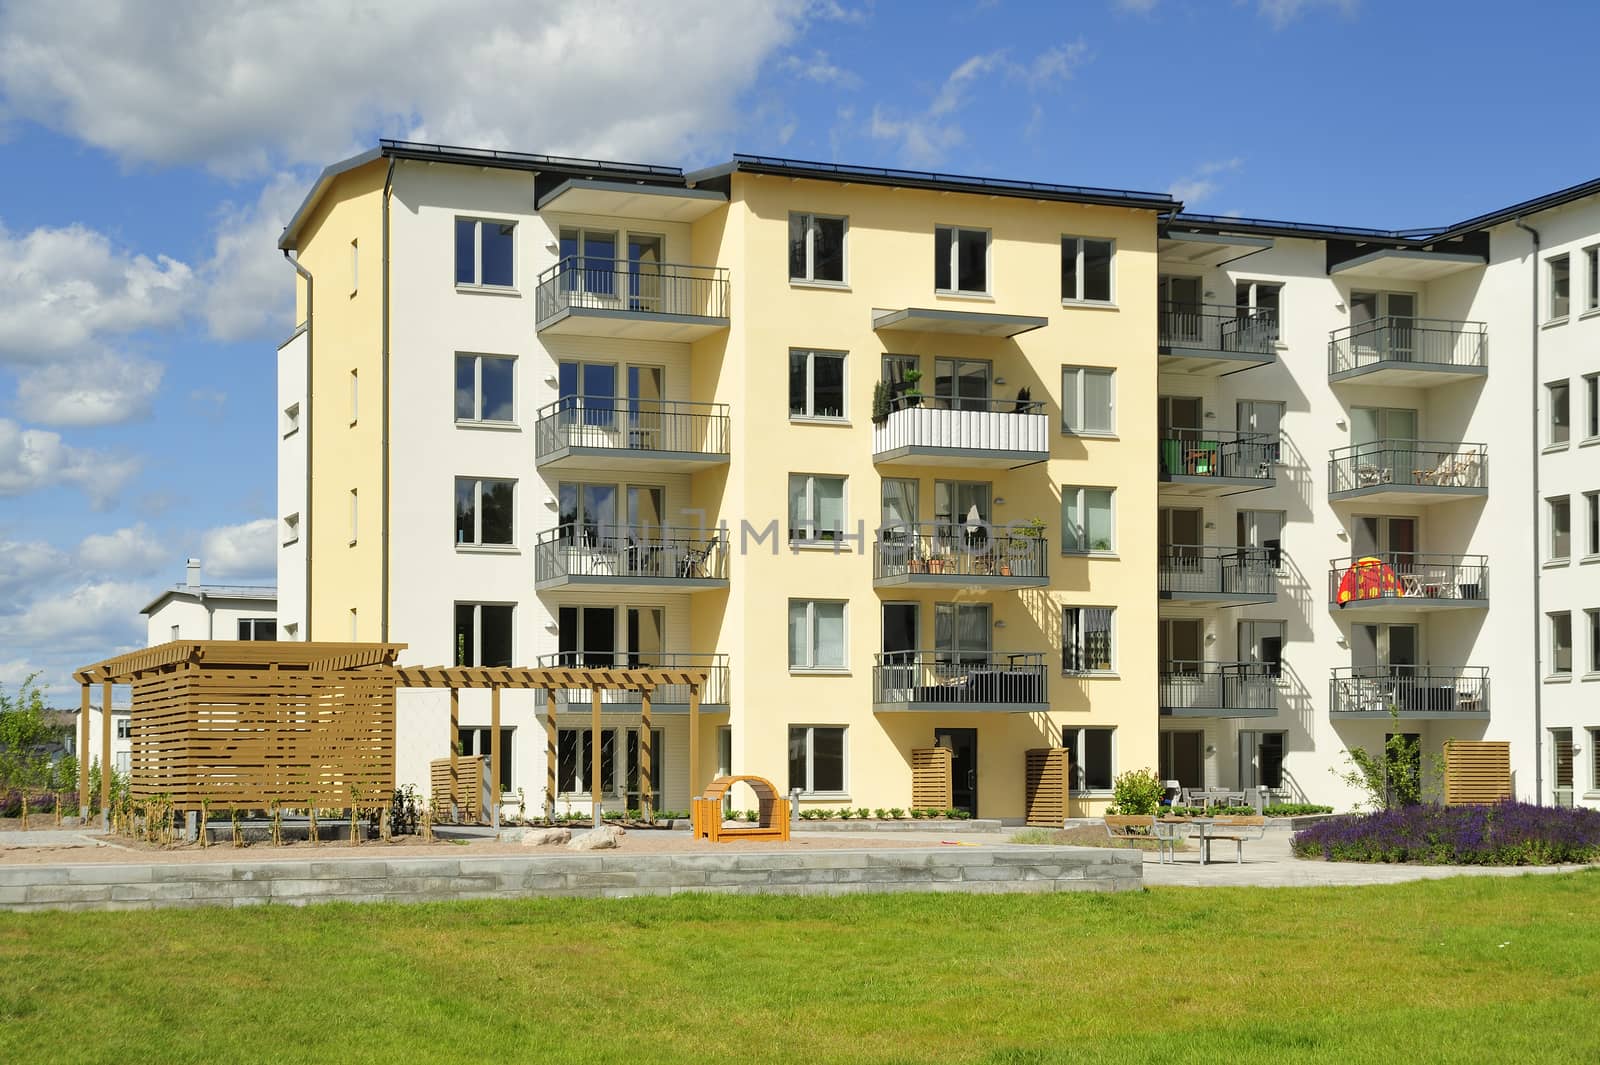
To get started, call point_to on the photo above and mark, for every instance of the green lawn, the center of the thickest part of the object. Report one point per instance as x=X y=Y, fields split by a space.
x=1479 y=969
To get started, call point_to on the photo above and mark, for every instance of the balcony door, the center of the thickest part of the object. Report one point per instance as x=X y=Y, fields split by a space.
x=647 y=637
x=901 y=624
x=894 y=375
x=1181 y=308
x=962 y=511
x=647 y=388
x=1385 y=537
x=961 y=636
x=588 y=514
x=961 y=384
x=1178 y=535
x=1182 y=757
x=1179 y=421
x=1180 y=647
x=1369 y=426
x=644 y=273
x=589 y=263
x=1383 y=648
x=588 y=636
x=1381 y=323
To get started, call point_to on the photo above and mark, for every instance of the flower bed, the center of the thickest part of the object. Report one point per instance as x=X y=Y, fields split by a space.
x=1511 y=833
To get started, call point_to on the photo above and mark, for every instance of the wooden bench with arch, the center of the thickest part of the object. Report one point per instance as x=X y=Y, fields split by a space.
x=706 y=812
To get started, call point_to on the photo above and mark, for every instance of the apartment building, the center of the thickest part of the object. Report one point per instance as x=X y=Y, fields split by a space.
x=194 y=610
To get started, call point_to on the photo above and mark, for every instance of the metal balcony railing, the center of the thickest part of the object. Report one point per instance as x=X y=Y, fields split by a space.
x=1214 y=327
x=1420 y=464
x=714 y=691
x=637 y=425
x=1221 y=686
x=1413 y=690
x=642 y=288
x=1219 y=453
x=1010 y=678
x=1400 y=575
x=1395 y=339
x=1213 y=570
x=654 y=553
x=956 y=549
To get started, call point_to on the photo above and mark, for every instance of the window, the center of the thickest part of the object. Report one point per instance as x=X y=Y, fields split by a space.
x=1561 y=643
x=1591 y=545
x=1560 y=274
x=483 y=253
x=961 y=260
x=355 y=513
x=1263 y=529
x=1261 y=645
x=1591 y=424
x=575 y=761
x=816 y=384
x=1088 y=399
x=291 y=419
x=1086 y=269
x=816 y=634
x=355 y=267
x=174 y=632
x=816 y=248
x=1182 y=757
x=480 y=741
x=1086 y=639
x=1558 y=399
x=1591 y=292
x=483 y=512
x=291 y=529
x=1261 y=758
x=355 y=396
x=258 y=629
x=1594 y=652
x=483 y=634
x=588 y=636
x=124 y=728
x=816 y=760
x=1086 y=520
x=816 y=508
x=658 y=752
x=484 y=388
x=1267 y=298
x=895 y=368
x=1089 y=751
x=1560 y=529
x=1264 y=417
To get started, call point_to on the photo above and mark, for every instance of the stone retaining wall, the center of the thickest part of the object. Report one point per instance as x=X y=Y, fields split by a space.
x=297 y=883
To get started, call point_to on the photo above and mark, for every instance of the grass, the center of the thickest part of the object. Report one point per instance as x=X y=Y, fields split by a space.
x=1086 y=837
x=1473 y=969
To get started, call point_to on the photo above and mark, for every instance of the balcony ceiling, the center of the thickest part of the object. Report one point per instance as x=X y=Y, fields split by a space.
x=966 y=323
x=621 y=199
x=1206 y=249
x=1405 y=264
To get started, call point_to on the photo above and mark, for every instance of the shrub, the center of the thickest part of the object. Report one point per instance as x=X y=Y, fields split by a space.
x=1209 y=811
x=1296 y=809
x=917 y=813
x=863 y=813
x=896 y=812
x=1510 y=833
x=1138 y=791
x=959 y=815
x=881 y=814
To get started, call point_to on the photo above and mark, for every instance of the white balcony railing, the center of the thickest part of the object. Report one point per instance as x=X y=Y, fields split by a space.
x=936 y=429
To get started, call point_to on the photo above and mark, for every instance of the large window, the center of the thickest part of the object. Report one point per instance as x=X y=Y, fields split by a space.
x=816 y=384
x=483 y=253
x=483 y=512
x=1086 y=639
x=817 y=248
x=483 y=634
x=1261 y=758
x=1561 y=643
x=1559 y=272
x=1088 y=397
x=816 y=508
x=480 y=741
x=1560 y=513
x=1086 y=269
x=587 y=635
x=1091 y=753
x=816 y=760
x=1087 y=519
x=483 y=388
x=575 y=761
x=961 y=260
x=1558 y=400
x=816 y=634
x=258 y=629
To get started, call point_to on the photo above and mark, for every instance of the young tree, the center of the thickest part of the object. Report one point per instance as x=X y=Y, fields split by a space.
x=23 y=735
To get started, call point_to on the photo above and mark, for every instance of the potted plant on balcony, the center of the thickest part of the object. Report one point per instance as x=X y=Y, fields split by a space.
x=913 y=389
x=880 y=402
x=1024 y=553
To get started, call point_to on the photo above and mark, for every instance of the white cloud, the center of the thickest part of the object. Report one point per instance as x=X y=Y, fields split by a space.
x=32 y=459
x=101 y=389
x=1138 y=7
x=131 y=551
x=1282 y=12
x=1204 y=182
x=246 y=88
x=22 y=563
x=247 y=550
x=249 y=288
x=951 y=93
x=818 y=67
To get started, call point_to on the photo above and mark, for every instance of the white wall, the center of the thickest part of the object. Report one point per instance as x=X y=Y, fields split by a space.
x=291 y=489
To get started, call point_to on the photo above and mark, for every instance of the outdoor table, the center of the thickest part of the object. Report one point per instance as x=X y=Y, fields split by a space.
x=1204 y=825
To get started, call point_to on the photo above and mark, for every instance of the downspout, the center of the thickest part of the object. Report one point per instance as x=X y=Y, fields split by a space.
x=383 y=428
x=305 y=532
x=1538 y=613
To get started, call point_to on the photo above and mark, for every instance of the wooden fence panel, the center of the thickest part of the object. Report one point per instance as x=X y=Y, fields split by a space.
x=1476 y=772
x=465 y=792
x=1047 y=780
x=930 y=778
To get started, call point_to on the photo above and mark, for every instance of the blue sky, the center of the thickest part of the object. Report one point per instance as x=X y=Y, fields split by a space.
x=147 y=164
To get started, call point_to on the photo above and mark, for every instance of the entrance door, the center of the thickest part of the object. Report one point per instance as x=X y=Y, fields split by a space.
x=963 y=744
x=899 y=673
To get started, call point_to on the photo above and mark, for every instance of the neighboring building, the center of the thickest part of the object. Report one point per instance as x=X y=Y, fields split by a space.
x=590 y=361
x=121 y=741
x=196 y=611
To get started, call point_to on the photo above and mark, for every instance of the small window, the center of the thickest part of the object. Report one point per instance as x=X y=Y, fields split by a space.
x=816 y=384
x=355 y=267
x=484 y=512
x=484 y=388
x=961 y=260
x=1089 y=753
x=125 y=726
x=816 y=760
x=1591 y=270
x=355 y=395
x=483 y=253
x=817 y=248
x=1086 y=639
x=291 y=529
x=258 y=629
x=174 y=632
x=1561 y=643
x=355 y=515
x=1088 y=396
x=1591 y=412
x=1560 y=528
x=816 y=634
x=1086 y=269
x=291 y=419
x=816 y=508
x=1591 y=542
x=1558 y=396
x=483 y=634
x=1560 y=273
x=1087 y=519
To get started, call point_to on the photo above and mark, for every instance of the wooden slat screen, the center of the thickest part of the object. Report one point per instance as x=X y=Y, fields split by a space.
x=930 y=778
x=468 y=791
x=1048 y=779
x=1476 y=772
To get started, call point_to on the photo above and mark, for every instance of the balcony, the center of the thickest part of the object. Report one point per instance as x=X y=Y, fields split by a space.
x=1419 y=471
x=956 y=681
x=1409 y=581
x=1217 y=462
x=1408 y=352
x=1218 y=689
x=631 y=300
x=973 y=433
x=669 y=698
x=639 y=560
x=954 y=554
x=606 y=433
x=1226 y=576
x=1215 y=340
x=1412 y=691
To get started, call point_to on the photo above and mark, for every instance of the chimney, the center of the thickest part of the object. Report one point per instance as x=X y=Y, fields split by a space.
x=192 y=576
